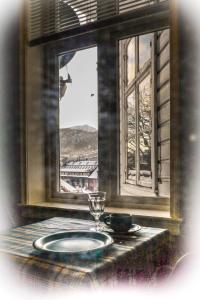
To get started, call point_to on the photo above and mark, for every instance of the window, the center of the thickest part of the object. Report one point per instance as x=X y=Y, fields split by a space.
x=144 y=58
x=129 y=93
x=78 y=121
x=136 y=106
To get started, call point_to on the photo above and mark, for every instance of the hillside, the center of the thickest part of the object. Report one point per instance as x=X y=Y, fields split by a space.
x=84 y=128
x=78 y=142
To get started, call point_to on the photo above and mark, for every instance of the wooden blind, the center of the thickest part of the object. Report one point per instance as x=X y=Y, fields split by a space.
x=48 y=17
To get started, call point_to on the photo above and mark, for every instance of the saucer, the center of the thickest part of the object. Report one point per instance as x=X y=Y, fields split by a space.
x=133 y=229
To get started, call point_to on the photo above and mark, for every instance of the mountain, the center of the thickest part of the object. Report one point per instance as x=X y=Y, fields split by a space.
x=78 y=142
x=84 y=128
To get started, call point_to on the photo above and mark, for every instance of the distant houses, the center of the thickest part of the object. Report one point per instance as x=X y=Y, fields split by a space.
x=80 y=176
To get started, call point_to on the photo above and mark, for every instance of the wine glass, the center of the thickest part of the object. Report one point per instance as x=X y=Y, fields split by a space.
x=96 y=204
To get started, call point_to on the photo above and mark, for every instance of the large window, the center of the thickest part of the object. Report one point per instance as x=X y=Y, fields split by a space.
x=106 y=102
x=88 y=125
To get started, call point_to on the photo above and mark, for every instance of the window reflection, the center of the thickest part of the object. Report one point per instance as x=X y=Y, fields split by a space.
x=144 y=49
x=131 y=143
x=145 y=129
x=131 y=60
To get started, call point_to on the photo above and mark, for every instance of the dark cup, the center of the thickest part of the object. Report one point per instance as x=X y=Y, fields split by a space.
x=119 y=222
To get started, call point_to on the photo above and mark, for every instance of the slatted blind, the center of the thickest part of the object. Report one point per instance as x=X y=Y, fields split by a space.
x=47 y=17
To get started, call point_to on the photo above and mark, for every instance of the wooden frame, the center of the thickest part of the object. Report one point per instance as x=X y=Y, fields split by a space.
x=154 y=23
x=175 y=162
x=52 y=130
x=140 y=74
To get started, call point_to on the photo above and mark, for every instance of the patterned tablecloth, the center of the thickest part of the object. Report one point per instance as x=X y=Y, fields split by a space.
x=130 y=259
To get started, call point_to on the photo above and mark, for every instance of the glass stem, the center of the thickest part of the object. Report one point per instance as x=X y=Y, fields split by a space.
x=97 y=223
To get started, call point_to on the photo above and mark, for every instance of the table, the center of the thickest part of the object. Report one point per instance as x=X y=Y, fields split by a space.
x=130 y=259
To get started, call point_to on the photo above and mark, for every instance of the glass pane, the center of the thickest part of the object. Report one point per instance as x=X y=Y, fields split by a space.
x=145 y=130
x=144 y=49
x=131 y=60
x=131 y=143
x=78 y=125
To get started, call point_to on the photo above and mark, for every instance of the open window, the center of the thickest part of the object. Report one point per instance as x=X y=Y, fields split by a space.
x=145 y=114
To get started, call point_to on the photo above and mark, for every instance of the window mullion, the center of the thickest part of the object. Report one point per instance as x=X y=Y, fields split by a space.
x=137 y=111
x=154 y=138
x=124 y=83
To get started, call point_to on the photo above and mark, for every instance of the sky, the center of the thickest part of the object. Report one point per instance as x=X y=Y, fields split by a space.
x=78 y=107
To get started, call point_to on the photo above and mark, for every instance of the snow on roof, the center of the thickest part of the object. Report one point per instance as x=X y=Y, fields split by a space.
x=83 y=166
x=94 y=174
x=82 y=163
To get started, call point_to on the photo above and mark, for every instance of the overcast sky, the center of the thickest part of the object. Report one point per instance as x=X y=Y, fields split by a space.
x=78 y=107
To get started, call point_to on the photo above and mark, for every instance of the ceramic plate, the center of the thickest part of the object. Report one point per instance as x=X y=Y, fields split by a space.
x=133 y=229
x=69 y=242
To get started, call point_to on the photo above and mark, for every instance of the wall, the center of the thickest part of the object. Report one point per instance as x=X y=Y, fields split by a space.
x=190 y=108
x=10 y=126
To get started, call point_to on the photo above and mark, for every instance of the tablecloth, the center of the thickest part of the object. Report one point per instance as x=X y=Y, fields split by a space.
x=132 y=258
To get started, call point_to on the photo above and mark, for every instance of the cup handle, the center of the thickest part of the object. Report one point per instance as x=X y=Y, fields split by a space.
x=107 y=220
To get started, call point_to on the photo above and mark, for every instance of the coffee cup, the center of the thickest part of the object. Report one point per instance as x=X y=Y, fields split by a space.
x=119 y=222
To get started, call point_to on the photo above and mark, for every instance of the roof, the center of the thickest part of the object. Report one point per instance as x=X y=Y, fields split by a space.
x=82 y=163
x=82 y=166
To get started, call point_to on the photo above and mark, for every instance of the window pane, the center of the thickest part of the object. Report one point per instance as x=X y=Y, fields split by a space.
x=144 y=49
x=78 y=125
x=149 y=162
x=131 y=141
x=131 y=60
x=145 y=130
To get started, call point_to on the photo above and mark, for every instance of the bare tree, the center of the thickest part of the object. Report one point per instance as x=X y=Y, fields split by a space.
x=144 y=126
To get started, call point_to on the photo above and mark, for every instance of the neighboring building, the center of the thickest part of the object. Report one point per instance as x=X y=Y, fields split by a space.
x=66 y=187
x=81 y=175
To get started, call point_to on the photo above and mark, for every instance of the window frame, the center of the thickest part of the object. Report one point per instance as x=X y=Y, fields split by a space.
x=109 y=169
x=133 y=86
x=152 y=23
x=52 y=145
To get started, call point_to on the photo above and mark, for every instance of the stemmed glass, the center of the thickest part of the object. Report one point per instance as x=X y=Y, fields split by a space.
x=96 y=204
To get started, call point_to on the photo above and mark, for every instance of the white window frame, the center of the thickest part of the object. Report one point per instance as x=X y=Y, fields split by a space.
x=126 y=90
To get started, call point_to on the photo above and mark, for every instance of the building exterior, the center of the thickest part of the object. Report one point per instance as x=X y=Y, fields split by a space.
x=81 y=175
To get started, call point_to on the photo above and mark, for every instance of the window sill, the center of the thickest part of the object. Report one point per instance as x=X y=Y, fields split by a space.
x=152 y=218
x=132 y=203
